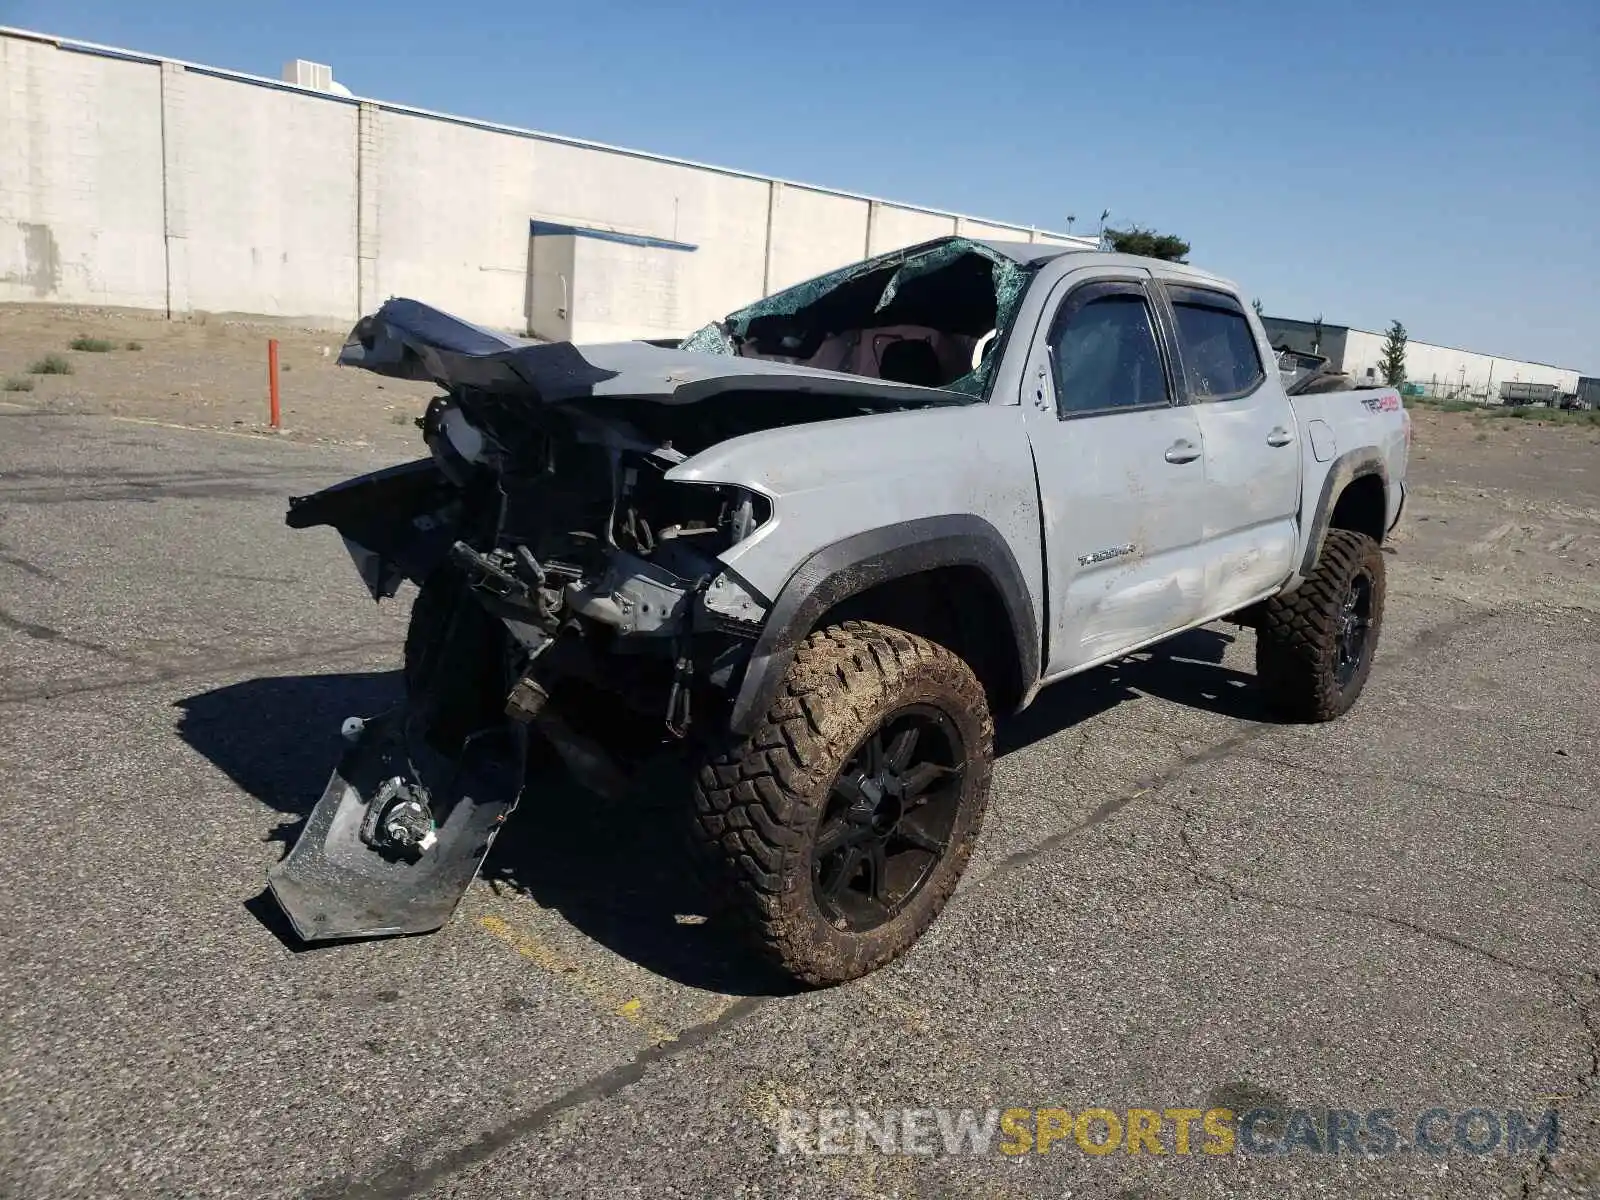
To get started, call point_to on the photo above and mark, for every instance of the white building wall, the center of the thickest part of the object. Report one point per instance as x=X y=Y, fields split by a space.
x=132 y=180
x=80 y=178
x=1449 y=369
x=723 y=216
x=894 y=227
x=967 y=227
x=813 y=232
x=452 y=208
x=266 y=181
x=625 y=291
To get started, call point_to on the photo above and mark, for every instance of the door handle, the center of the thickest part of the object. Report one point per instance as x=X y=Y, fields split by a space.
x=1182 y=451
x=1279 y=437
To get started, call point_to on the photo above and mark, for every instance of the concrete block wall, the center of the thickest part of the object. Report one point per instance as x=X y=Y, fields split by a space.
x=891 y=227
x=450 y=217
x=81 y=189
x=131 y=180
x=265 y=182
x=623 y=291
x=723 y=216
x=812 y=232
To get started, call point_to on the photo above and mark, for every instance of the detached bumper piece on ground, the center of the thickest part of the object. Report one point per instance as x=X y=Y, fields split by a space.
x=372 y=860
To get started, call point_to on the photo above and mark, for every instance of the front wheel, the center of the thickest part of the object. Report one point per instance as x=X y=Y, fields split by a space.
x=844 y=822
x=1314 y=646
x=454 y=661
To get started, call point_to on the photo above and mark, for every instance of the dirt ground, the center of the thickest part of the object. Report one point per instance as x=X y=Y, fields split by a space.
x=1505 y=510
x=1512 y=507
x=207 y=373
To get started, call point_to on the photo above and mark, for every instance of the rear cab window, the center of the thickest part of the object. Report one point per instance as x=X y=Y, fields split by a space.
x=1221 y=360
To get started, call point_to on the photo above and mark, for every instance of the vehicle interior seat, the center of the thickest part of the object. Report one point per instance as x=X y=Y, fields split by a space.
x=911 y=360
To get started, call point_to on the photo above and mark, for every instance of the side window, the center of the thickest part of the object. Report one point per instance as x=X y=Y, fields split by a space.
x=1219 y=351
x=1103 y=351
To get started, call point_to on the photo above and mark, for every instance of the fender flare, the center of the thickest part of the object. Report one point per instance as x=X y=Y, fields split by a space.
x=1342 y=472
x=864 y=560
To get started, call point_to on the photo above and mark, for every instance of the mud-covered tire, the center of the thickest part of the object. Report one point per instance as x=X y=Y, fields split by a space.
x=760 y=804
x=454 y=660
x=1302 y=648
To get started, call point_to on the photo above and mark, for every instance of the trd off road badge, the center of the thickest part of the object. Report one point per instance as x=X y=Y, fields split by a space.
x=1099 y=556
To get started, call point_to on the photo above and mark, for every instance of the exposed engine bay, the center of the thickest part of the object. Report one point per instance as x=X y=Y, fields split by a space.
x=563 y=528
x=570 y=596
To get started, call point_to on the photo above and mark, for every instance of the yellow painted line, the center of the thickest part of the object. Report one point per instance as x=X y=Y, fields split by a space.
x=715 y=1010
x=258 y=435
x=603 y=996
x=238 y=433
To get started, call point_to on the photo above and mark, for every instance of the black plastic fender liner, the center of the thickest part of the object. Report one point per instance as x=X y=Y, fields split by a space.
x=393 y=513
x=333 y=885
x=1342 y=472
x=864 y=560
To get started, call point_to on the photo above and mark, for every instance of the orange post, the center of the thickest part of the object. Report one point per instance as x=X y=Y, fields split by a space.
x=273 y=411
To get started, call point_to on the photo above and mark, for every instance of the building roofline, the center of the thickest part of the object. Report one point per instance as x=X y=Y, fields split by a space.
x=77 y=46
x=1330 y=326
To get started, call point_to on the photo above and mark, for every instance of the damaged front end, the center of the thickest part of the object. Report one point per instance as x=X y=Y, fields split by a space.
x=571 y=596
x=575 y=593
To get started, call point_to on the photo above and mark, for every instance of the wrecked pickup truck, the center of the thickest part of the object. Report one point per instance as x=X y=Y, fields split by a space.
x=817 y=546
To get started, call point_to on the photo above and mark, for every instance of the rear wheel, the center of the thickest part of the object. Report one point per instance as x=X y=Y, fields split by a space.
x=1314 y=646
x=845 y=820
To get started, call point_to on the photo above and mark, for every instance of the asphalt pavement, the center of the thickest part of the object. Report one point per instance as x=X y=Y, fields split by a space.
x=1177 y=905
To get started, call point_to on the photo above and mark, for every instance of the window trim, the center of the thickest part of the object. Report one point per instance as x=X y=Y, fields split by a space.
x=1134 y=285
x=1208 y=296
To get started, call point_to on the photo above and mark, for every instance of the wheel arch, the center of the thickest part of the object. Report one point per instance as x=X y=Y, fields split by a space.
x=1354 y=496
x=950 y=578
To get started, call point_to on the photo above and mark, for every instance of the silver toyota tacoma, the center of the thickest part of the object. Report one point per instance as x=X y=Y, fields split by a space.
x=819 y=546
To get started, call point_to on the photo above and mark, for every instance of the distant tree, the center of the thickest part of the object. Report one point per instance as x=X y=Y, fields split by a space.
x=1393 y=361
x=1256 y=304
x=1148 y=243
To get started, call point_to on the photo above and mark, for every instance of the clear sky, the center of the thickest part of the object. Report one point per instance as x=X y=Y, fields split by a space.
x=1435 y=161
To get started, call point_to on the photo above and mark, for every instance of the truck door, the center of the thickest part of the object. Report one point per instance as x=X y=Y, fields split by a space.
x=1253 y=453
x=1121 y=470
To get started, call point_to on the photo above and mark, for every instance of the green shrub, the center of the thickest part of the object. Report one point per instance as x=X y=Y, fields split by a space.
x=51 y=364
x=19 y=383
x=91 y=345
x=1556 y=416
x=1439 y=405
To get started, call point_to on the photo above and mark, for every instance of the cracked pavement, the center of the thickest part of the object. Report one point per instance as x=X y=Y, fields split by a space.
x=1175 y=903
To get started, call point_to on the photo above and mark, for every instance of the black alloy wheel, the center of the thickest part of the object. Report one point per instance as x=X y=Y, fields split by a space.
x=889 y=818
x=1355 y=626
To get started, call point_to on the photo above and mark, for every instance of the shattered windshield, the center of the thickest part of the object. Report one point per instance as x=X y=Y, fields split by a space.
x=931 y=315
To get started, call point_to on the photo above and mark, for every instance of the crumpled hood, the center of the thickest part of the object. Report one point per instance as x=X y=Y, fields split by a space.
x=407 y=339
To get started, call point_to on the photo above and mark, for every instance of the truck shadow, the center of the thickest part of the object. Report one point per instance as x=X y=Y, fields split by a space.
x=615 y=869
x=1186 y=670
